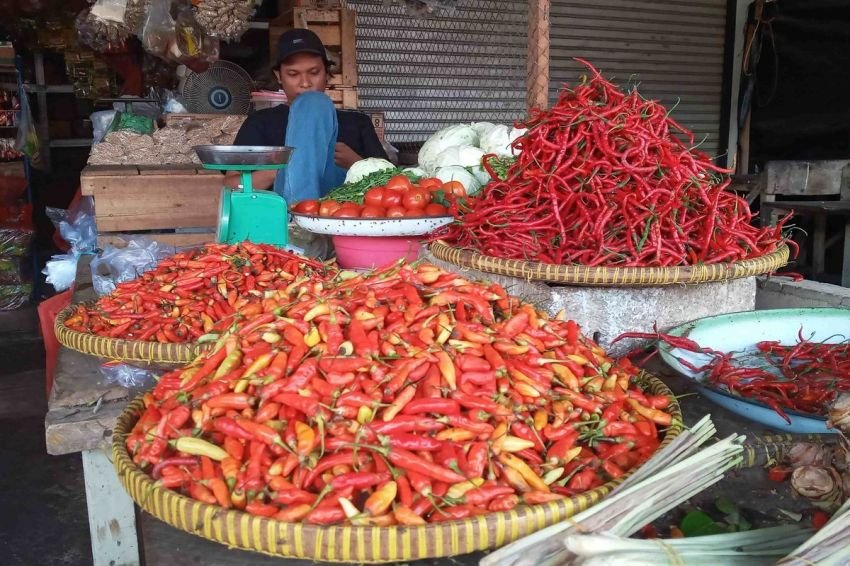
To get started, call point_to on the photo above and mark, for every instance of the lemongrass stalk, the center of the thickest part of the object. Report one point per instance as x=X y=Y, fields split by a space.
x=830 y=546
x=772 y=541
x=664 y=490
x=681 y=447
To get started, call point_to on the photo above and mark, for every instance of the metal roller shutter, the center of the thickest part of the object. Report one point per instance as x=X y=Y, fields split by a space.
x=459 y=64
x=672 y=49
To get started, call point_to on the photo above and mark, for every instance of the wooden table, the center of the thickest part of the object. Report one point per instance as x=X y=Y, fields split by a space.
x=820 y=210
x=81 y=414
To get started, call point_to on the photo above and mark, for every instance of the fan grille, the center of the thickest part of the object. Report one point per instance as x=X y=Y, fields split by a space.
x=224 y=88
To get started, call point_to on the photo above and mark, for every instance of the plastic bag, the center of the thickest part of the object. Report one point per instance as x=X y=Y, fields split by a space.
x=27 y=141
x=158 y=33
x=61 y=271
x=193 y=47
x=126 y=375
x=115 y=265
x=131 y=122
x=14 y=296
x=110 y=10
x=101 y=121
x=77 y=227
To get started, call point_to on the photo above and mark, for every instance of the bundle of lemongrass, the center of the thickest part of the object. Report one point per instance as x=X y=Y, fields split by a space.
x=671 y=477
x=748 y=548
x=830 y=546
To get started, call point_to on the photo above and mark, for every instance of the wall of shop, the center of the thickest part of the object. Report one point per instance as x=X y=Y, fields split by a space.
x=672 y=49
x=460 y=63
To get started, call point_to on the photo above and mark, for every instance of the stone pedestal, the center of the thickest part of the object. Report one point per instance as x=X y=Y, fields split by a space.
x=606 y=312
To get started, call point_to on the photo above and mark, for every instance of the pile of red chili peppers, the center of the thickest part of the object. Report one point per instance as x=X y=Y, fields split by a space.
x=195 y=295
x=406 y=396
x=607 y=178
x=806 y=377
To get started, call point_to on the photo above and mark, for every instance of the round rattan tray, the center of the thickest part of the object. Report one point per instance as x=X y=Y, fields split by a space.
x=611 y=276
x=349 y=543
x=125 y=350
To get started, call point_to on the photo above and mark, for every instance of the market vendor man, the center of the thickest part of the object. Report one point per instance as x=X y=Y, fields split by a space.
x=326 y=141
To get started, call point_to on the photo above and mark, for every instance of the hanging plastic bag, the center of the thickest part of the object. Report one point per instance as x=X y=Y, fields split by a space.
x=116 y=265
x=158 y=33
x=77 y=227
x=193 y=46
x=110 y=10
x=27 y=141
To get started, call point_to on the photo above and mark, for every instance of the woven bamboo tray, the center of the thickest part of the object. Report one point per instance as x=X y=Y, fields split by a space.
x=611 y=276
x=124 y=350
x=349 y=543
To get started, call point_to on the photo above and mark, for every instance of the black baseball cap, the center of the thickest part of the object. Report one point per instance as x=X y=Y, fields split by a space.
x=299 y=41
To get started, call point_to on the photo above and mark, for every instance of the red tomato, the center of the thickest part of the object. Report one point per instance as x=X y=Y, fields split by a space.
x=374 y=197
x=396 y=212
x=415 y=213
x=392 y=197
x=779 y=474
x=416 y=198
x=370 y=211
x=436 y=210
x=307 y=207
x=348 y=211
x=399 y=182
x=819 y=519
x=455 y=188
x=328 y=207
x=430 y=183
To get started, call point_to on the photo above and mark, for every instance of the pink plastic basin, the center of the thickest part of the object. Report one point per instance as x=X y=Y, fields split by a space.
x=369 y=252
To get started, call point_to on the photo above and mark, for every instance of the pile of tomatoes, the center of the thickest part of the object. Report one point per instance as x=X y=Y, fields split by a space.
x=399 y=198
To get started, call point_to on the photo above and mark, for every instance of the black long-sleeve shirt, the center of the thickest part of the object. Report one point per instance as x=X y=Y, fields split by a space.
x=268 y=127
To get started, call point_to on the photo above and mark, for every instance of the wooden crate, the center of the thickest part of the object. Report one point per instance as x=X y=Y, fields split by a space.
x=153 y=201
x=343 y=97
x=335 y=27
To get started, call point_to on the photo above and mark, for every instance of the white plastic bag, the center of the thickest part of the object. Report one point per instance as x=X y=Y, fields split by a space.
x=116 y=265
x=126 y=375
x=77 y=227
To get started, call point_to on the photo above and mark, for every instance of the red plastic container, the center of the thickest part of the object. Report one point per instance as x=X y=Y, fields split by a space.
x=369 y=252
x=48 y=310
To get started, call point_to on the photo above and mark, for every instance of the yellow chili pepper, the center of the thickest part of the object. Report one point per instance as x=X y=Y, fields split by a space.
x=306 y=438
x=379 y=502
x=312 y=338
x=319 y=310
x=509 y=443
x=566 y=376
x=230 y=363
x=533 y=480
x=541 y=419
x=457 y=490
x=200 y=447
x=261 y=363
x=455 y=434
x=447 y=369
x=364 y=414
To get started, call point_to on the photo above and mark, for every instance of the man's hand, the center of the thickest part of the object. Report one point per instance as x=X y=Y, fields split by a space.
x=344 y=156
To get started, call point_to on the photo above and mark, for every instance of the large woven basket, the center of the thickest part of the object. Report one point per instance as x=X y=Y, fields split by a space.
x=349 y=543
x=125 y=350
x=611 y=276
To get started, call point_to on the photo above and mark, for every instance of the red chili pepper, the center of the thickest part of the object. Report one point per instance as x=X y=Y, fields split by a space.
x=409 y=461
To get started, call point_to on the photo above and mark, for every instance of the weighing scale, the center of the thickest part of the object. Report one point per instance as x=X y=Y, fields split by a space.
x=259 y=217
